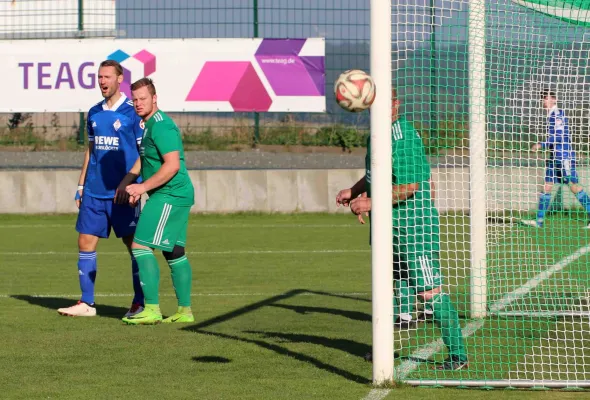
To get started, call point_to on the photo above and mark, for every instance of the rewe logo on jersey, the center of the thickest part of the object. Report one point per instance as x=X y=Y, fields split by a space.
x=135 y=67
x=573 y=11
x=106 y=143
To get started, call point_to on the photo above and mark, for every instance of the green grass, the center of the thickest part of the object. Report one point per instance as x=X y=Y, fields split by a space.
x=283 y=312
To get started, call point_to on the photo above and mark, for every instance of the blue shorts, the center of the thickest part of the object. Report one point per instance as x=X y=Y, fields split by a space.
x=561 y=171
x=97 y=216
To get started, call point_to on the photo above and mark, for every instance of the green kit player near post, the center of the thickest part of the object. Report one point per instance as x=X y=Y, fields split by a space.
x=164 y=219
x=416 y=233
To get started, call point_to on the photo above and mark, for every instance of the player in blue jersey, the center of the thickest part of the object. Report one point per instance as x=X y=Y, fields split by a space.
x=561 y=164
x=114 y=135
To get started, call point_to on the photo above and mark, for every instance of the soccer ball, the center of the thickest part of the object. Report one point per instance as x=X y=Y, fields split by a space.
x=354 y=90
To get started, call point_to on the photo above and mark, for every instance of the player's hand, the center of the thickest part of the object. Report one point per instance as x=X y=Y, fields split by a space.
x=360 y=205
x=134 y=201
x=360 y=216
x=536 y=147
x=135 y=190
x=78 y=197
x=121 y=196
x=343 y=197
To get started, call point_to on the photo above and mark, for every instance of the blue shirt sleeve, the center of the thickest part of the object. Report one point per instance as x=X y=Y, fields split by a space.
x=89 y=127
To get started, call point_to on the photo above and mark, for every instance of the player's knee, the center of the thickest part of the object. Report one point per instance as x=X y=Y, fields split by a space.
x=176 y=253
x=87 y=242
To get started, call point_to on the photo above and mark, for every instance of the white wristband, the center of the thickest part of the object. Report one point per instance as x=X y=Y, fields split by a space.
x=80 y=187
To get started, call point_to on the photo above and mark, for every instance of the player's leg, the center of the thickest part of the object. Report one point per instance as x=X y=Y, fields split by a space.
x=552 y=176
x=92 y=224
x=571 y=178
x=148 y=229
x=426 y=275
x=403 y=293
x=124 y=220
x=175 y=232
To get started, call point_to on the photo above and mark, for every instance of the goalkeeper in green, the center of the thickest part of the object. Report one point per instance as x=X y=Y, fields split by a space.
x=416 y=233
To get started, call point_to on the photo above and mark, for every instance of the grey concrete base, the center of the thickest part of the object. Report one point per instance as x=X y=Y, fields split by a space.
x=227 y=191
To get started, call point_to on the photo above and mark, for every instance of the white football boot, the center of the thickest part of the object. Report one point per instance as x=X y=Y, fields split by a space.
x=80 y=309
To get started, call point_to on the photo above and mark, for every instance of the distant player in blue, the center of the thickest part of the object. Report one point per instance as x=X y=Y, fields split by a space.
x=114 y=135
x=561 y=165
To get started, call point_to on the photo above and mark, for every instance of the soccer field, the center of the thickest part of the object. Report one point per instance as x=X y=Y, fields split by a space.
x=282 y=304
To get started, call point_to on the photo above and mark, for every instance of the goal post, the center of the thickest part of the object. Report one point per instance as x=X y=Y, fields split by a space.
x=381 y=224
x=477 y=155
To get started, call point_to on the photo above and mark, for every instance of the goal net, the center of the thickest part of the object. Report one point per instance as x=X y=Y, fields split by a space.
x=487 y=80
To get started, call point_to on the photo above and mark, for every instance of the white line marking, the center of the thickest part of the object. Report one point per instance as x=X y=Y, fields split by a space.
x=406 y=367
x=227 y=252
x=232 y=226
x=377 y=394
x=70 y=295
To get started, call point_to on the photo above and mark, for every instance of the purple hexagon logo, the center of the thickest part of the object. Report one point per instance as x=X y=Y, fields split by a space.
x=135 y=67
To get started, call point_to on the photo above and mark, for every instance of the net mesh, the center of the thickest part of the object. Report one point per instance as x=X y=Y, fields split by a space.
x=538 y=305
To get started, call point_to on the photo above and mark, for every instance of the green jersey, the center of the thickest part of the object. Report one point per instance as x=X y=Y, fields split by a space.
x=162 y=136
x=409 y=166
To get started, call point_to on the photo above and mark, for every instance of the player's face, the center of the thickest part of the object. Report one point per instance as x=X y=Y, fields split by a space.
x=548 y=102
x=143 y=101
x=109 y=81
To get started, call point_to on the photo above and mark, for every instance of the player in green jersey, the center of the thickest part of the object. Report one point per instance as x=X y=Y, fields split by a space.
x=164 y=219
x=416 y=234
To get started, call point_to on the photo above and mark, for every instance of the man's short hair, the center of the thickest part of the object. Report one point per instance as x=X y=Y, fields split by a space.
x=548 y=93
x=114 y=64
x=144 y=82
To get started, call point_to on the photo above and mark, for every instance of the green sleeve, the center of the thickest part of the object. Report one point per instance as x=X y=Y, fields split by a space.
x=167 y=139
x=409 y=162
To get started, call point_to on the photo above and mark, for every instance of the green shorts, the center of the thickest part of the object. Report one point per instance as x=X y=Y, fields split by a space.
x=416 y=253
x=162 y=225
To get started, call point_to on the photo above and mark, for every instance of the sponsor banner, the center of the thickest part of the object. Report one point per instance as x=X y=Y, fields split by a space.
x=225 y=75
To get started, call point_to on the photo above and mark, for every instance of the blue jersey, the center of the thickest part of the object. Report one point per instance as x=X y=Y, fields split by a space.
x=116 y=134
x=558 y=136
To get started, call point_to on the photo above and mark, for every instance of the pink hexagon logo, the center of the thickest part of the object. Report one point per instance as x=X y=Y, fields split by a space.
x=234 y=81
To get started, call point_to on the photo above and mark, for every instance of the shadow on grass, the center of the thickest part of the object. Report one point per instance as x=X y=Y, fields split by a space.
x=212 y=360
x=289 y=353
x=354 y=315
x=53 y=303
x=355 y=348
x=346 y=345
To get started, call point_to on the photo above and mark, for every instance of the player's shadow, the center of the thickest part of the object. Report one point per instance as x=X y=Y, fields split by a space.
x=53 y=303
x=354 y=315
x=352 y=347
x=288 y=353
x=348 y=346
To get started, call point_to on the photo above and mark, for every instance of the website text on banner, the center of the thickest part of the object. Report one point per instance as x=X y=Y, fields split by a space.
x=225 y=75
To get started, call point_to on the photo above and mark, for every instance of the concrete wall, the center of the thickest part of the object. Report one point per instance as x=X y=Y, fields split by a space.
x=52 y=191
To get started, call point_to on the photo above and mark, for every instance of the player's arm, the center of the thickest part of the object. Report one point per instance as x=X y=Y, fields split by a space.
x=400 y=193
x=551 y=136
x=84 y=169
x=168 y=143
x=121 y=195
x=169 y=168
x=345 y=195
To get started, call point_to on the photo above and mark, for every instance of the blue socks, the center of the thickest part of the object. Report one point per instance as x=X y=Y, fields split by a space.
x=87 y=275
x=544 y=203
x=138 y=292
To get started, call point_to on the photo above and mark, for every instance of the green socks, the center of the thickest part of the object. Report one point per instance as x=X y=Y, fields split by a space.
x=403 y=299
x=447 y=318
x=182 y=279
x=149 y=275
